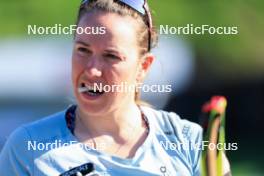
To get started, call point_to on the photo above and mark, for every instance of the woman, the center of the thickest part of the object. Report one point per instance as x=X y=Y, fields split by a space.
x=107 y=133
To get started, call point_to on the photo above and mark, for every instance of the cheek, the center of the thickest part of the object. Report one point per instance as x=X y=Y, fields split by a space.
x=77 y=68
x=126 y=72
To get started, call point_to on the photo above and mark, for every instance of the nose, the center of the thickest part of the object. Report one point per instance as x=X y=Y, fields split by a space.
x=93 y=67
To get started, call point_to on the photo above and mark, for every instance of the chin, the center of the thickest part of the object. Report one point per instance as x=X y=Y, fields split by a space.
x=92 y=109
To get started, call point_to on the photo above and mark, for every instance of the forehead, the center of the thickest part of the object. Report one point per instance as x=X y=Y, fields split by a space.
x=118 y=29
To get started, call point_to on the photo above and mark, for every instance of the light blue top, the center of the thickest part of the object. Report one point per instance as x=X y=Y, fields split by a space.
x=37 y=149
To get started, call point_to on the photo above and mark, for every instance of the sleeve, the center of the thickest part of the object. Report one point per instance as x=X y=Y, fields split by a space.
x=15 y=158
x=190 y=134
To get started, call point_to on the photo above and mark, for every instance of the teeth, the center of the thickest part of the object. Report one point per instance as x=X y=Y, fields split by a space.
x=82 y=89
x=89 y=89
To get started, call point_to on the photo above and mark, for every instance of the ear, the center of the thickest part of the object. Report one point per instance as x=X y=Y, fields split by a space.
x=144 y=66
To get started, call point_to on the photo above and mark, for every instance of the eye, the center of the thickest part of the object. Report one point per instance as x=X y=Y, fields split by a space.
x=83 y=50
x=112 y=56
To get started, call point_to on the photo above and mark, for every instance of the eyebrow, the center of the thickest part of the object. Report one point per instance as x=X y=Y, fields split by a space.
x=83 y=43
x=114 y=50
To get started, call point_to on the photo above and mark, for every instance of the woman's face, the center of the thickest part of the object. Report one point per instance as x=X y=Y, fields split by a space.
x=108 y=59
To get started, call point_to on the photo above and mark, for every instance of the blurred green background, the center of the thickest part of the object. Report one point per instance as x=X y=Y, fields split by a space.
x=245 y=50
x=227 y=59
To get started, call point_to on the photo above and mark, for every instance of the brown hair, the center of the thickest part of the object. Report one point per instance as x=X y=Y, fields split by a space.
x=143 y=30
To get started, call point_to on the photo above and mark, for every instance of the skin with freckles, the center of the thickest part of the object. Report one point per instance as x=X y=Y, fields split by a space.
x=109 y=59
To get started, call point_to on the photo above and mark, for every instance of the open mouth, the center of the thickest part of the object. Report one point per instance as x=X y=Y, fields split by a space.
x=90 y=90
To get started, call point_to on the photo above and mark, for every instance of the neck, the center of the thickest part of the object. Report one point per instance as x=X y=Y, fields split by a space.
x=114 y=123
